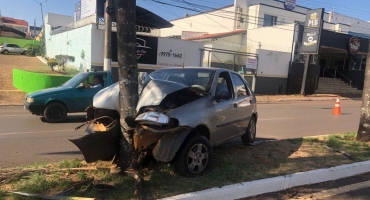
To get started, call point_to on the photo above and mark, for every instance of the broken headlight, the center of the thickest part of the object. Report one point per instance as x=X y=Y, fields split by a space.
x=152 y=118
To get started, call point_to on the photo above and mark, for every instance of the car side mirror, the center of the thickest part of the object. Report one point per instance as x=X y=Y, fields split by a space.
x=80 y=86
x=224 y=95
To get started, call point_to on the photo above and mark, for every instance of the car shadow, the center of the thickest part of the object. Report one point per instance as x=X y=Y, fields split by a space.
x=70 y=119
x=63 y=153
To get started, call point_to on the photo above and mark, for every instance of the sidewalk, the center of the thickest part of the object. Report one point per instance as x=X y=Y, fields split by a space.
x=314 y=97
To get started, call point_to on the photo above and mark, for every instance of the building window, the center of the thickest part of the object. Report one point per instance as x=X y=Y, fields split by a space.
x=299 y=22
x=269 y=20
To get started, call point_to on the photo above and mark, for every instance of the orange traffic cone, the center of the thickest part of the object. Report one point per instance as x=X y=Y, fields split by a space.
x=336 y=110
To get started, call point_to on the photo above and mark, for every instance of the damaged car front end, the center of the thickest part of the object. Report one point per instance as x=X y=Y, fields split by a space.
x=179 y=117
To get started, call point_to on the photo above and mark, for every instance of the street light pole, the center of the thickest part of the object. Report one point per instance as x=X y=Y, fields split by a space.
x=108 y=36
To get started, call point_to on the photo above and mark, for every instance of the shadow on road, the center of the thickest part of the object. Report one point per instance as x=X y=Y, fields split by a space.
x=63 y=153
x=70 y=119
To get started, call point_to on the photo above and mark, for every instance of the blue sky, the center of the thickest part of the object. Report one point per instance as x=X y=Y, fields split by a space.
x=30 y=10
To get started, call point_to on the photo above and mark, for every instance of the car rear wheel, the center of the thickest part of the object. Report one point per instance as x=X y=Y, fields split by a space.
x=194 y=158
x=55 y=112
x=6 y=52
x=250 y=134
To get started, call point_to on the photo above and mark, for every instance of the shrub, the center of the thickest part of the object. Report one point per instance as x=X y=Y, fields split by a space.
x=52 y=63
x=64 y=59
x=35 y=49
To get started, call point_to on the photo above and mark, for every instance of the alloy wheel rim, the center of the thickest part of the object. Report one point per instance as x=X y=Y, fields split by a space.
x=197 y=159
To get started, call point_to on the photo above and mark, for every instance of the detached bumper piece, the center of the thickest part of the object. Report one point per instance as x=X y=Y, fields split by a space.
x=99 y=143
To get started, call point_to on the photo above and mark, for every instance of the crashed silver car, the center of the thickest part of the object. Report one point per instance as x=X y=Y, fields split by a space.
x=183 y=112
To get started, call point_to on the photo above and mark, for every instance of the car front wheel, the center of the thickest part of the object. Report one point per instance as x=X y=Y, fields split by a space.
x=55 y=112
x=250 y=134
x=194 y=158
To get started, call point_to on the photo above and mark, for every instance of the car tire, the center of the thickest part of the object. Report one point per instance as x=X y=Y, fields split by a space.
x=23 y=53
x=194 y=158
x=6 y=52
x=250 y=134
x=55 y=112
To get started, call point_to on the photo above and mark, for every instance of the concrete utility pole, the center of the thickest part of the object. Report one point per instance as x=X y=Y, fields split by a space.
x=128 y=83
x=34 y=28
x=363 y=133
x=303 y=88
x=108 y=36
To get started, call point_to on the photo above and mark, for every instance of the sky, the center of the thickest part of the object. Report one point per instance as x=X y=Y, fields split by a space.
x=29 y=10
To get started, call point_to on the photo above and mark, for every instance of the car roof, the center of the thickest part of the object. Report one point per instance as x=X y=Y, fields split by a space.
x=203 y=68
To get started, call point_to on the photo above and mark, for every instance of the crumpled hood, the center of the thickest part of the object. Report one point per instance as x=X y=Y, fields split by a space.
x=153 y=93
x=108 y=98
x=156 y=90
x=49 y=91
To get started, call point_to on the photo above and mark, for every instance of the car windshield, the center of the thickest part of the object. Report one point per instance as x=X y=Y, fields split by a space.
x=198 y=78
x=75 y=80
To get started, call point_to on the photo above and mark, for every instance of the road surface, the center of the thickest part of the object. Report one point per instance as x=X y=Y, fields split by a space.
x=26 y=139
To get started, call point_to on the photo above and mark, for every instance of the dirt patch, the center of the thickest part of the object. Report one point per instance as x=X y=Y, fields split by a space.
x=10 y=95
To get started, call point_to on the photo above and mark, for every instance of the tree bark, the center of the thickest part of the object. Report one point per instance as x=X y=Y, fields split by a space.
x=128 y=77
x=363 y=133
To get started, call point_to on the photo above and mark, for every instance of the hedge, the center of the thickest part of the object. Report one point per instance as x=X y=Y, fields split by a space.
x=30 y=81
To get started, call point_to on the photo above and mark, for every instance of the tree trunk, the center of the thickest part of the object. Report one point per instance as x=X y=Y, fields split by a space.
x=363 y=133
x=128 y=77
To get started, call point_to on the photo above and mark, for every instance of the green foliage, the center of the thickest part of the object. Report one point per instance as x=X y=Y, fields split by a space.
x=37 y=49
x=52 y=63
x=83 y=54
x=64 y=59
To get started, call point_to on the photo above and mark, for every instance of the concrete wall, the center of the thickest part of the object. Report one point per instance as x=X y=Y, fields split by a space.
x=213 y=22
x=56 y=20
x=273 y=63
x=355 y=25
x=277 y=38
x=72 y=43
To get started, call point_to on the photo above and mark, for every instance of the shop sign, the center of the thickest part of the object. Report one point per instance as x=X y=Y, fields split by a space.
x=78 y=11
x=251 y=63
x=289 y=4
x=312 y=31
x=354 y=45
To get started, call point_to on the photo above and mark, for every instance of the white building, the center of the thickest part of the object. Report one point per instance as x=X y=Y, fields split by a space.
x=266 y=28
x=84 y=39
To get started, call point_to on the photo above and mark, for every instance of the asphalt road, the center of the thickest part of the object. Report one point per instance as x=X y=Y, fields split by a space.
x=26 y=139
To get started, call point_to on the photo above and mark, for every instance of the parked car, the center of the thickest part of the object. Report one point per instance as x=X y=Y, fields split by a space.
x=75 y=95
x=181 y=114
x=7 y=48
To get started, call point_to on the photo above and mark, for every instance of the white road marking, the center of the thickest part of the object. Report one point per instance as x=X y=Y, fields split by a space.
x=53 y=131
x=274 y=119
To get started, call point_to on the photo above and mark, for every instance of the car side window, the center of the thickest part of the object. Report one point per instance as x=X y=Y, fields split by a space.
x=224 y=86
x=241 y=88
x=16 y=46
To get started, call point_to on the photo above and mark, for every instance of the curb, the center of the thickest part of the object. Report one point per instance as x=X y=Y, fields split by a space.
x=253 y=188
x=42 y=60
x=319 y=99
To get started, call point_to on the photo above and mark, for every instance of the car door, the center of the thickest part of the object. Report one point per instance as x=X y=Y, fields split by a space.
x=226 y=110
x=83 y=96
x=243 y=101
x=10 y=48
x=17 y=49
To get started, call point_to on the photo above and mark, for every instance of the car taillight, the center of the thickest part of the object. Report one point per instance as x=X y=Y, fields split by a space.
x=1 y=46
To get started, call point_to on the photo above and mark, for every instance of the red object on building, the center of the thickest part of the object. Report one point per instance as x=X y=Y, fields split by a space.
x=9 y=20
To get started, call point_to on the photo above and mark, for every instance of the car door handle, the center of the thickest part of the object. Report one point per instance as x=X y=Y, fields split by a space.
x=235 y=105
